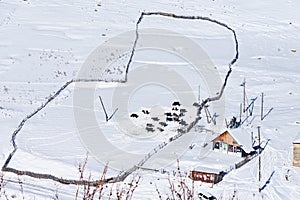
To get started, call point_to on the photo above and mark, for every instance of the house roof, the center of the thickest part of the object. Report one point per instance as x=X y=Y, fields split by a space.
x=206 y=169
x=297 y=139
x=242 y=137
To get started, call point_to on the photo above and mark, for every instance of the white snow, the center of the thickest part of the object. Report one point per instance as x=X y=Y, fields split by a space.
x=43 y=44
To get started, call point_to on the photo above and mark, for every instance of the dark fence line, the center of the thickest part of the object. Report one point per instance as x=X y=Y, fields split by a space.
x=246 y=160
x=54 y=178
x=122 y=176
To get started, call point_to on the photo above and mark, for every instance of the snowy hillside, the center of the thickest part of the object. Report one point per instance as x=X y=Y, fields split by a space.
x=58 y=57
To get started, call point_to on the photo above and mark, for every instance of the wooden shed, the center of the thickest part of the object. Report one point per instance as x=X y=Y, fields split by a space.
x=237 y=141
x=296 y=152
x=206 y=175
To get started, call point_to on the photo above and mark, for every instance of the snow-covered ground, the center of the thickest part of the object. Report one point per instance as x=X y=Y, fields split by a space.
x=44 y=44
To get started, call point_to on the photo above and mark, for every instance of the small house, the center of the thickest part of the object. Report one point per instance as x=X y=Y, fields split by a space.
x=296 y=152
x=236 y=142
x=206 y=175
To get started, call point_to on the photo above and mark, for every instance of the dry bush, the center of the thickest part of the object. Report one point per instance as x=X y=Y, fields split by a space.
x=1 y=183
x=103 y=189
x=180 y=189
x=21 y=187
x=2 y=186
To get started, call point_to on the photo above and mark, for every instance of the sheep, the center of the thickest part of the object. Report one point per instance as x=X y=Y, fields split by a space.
x=176 y=119
x=176 y=103
x=155 y=119
x=168 y=114
x=196 y=104
x=164 y=124
x=134 y=115
x=146 y=112
x=182 y=110
x=160 y=129
x=183 y=123
x=169 y=119
x=175 y=108
x=149 y=125
x=180 y=130
x=150 y=129
x=175 y=115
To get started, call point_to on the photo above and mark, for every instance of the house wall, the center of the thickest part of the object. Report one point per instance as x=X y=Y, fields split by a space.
x=296 y=160
x=205 y=177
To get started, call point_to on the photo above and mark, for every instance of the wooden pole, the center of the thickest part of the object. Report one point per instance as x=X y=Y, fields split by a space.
x=244 y=95
x=259 y=158
x=207 y=113
x=262 y=107
x=252 y=138
x=240 y=113
x=199 y=94
x=106 y=116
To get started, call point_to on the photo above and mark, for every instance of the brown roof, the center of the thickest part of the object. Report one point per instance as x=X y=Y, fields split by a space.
x=226 y=138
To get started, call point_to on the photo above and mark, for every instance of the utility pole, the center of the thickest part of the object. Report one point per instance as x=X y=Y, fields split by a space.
x=262 y=107
x=259 y=158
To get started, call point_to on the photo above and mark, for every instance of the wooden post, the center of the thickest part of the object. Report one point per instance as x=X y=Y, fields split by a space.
x=227 y=125
x=240 y=113
x=207 y=113
x=244 y=95
x=106 y=116
x=259 y=158
x=262 y=107
x=252 y=138
x=199 y=94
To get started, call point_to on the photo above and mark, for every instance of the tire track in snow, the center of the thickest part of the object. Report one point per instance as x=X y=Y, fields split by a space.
x=122 y=176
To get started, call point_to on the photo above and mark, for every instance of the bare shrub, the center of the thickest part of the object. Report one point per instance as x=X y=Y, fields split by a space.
x=21 y=187
x=180 y=189
x=103 y=188
x=2 y=186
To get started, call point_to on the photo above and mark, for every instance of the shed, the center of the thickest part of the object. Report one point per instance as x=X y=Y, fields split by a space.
x=237 y=141
x=206 y=175
x=296 y=152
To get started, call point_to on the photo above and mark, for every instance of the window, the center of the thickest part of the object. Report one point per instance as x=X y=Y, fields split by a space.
x=216 y=145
